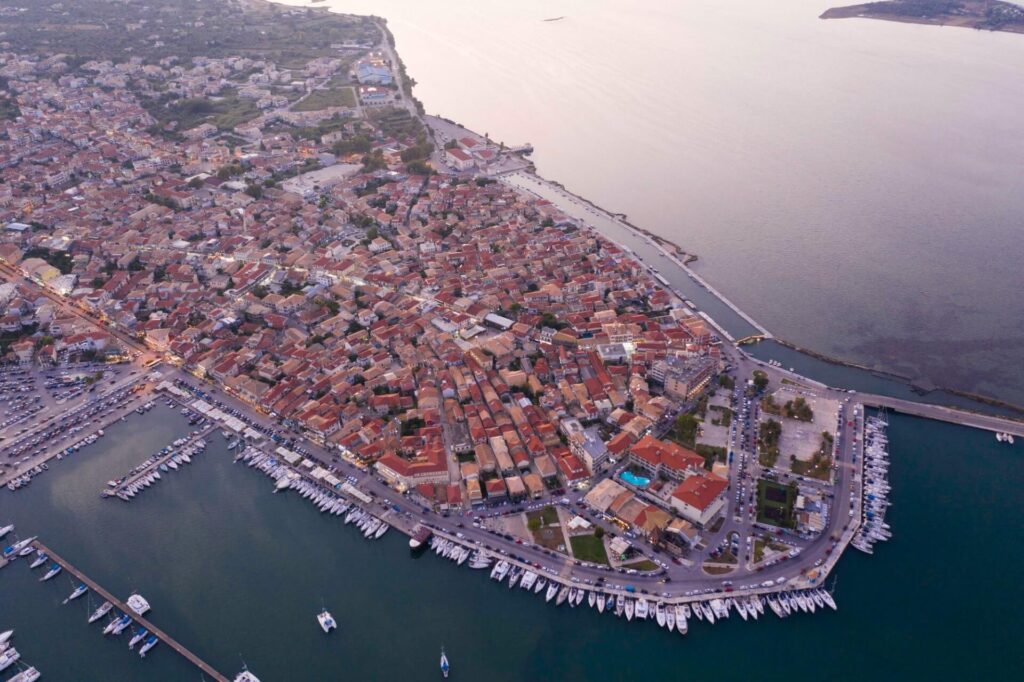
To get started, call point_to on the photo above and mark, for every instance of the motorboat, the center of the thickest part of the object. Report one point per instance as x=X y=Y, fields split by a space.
x=681 y=625
x=6 y=529
x=444 y=663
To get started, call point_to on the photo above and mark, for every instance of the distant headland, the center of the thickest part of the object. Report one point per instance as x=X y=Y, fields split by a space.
x=988 y=15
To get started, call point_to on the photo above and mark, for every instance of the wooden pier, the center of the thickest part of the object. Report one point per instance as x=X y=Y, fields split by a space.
x=153 y=630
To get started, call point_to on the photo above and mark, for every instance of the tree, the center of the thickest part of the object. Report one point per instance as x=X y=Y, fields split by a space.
x=686 y=428
x=599 y=532
x=533 y=524
x=760 y=380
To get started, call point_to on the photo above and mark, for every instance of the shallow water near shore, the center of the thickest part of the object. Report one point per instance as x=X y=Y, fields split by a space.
x=236 y=573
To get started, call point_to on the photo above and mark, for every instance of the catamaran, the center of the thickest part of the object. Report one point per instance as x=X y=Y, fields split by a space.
x=326 y=621
x=138 y=604
x=8 y=658
x=27 y=675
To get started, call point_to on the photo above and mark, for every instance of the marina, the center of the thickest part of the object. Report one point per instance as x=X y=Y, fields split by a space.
x=244 y=524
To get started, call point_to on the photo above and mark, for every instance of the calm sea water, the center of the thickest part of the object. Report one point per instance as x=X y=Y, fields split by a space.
x=236 y=572
x=855 y=185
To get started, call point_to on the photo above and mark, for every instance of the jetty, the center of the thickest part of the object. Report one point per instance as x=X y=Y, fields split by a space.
x=952 y=415
x=206 y=668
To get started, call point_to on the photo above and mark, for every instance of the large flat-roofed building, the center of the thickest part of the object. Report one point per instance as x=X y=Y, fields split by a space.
x=683 y=378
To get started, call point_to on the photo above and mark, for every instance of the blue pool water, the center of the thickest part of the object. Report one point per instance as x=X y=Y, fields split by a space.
x=633 y=479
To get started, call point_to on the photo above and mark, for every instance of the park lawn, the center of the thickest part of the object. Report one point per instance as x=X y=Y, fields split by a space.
x=325 y=99
x=549 y=515
x=589 y=548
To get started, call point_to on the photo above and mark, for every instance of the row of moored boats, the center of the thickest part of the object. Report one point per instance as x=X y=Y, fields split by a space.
x=671 y=616
x=327 y=501
x=876 y=502
x=168 y=459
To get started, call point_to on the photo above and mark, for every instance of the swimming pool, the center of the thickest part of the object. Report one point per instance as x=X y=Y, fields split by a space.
x=632 y=479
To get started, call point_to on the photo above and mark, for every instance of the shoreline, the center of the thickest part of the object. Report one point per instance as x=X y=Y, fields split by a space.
x=977 y=19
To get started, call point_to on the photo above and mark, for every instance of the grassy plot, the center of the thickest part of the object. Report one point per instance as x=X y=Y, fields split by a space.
x=326 y=99
x=589 y=548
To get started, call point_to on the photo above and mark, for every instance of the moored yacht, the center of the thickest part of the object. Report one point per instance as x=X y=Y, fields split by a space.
x=79 y=591
x=681 y=624
x=138 y=637
x=41 y=558
x=54 y=570
x=103 y=610
x=151 y=642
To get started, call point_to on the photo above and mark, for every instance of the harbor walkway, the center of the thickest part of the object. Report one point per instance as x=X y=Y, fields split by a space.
x=946 y=414
x=153 y=630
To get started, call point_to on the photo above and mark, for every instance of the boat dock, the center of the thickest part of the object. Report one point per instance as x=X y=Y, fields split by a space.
x=153 y=630
x=141 y=474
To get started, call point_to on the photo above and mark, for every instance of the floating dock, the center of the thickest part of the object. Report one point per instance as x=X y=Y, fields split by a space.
x=153 y=630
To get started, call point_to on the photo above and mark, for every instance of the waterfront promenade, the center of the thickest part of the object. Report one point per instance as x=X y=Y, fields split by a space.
x=206 y=668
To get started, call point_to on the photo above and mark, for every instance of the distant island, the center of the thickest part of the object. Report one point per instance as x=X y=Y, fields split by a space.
x=989 y=15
